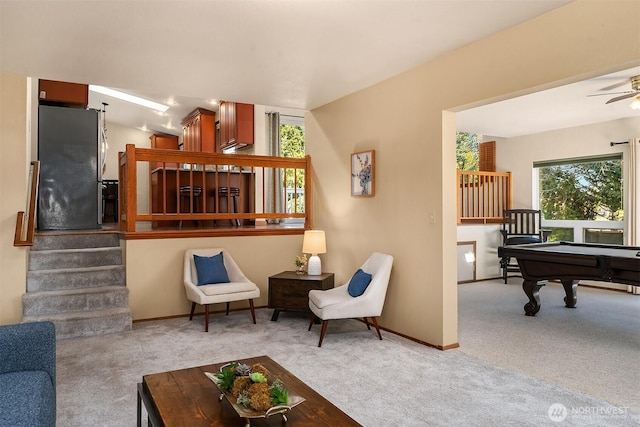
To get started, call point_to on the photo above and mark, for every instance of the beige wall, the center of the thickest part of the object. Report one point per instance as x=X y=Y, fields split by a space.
x=154 y=269
x=117 y=138
x=14 y=161
x=403 y=120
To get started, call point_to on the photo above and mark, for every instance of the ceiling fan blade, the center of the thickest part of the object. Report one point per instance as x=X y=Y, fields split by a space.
x=620 y=98
x=615 y=86
x=609 y=94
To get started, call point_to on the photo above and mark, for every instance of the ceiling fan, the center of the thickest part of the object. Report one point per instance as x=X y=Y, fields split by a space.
x=635 y=86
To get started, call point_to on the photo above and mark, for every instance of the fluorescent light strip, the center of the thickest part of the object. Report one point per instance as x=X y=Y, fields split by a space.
x=129 y=98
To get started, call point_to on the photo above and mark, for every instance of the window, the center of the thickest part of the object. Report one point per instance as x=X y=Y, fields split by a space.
x=472 y=154
x=467 y=151
x=581 y=199
x=292 y=145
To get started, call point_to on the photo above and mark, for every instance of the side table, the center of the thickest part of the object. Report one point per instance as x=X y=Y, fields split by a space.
x=289 y=291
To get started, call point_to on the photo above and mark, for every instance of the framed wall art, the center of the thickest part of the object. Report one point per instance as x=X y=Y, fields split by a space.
x=363 y=174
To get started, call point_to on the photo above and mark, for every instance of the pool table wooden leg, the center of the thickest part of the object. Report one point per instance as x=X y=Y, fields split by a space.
x=531 y=289
x=571 y=290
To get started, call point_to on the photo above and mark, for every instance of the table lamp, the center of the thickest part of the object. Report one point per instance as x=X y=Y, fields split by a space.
x=314 y=243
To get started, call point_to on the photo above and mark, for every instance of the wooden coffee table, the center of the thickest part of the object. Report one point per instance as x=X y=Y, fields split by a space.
x=188 y=398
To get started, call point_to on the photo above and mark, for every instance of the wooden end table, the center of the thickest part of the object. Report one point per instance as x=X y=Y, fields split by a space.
x=289 y=291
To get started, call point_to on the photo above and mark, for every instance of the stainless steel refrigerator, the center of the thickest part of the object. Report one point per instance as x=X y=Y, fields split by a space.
x=70 y=191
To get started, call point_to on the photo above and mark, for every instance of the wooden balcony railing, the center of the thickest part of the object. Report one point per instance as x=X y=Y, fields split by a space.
x=482 y=196
x=26 y=221
x=184 y=186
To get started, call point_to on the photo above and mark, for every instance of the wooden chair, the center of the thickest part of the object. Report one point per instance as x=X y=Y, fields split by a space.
x=520 y=227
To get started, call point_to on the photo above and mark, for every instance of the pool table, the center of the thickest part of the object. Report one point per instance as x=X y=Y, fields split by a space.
x=569 y=263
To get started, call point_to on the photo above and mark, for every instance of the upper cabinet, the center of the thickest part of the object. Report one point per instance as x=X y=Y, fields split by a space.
x=167 y=142
x=199 y=131
x=66 y=94
x=236 y=125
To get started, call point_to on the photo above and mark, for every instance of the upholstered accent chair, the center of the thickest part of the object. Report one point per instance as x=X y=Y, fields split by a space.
x=208 y=283
x=340 y=302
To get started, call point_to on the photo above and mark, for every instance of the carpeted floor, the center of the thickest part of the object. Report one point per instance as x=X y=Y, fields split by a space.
x=593 y=348
x=394 y=382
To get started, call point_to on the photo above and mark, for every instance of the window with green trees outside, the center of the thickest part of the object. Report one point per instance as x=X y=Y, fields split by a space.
x=582 y=190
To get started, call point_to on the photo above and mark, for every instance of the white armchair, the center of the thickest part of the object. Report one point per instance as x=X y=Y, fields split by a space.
x=337 y=303
x=239 y=286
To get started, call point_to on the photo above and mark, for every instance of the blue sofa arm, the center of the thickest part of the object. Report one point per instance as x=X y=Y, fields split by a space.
x=28 y=347
x=28 y=375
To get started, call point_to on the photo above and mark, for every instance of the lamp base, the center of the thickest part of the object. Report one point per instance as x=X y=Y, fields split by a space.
x=314 y=267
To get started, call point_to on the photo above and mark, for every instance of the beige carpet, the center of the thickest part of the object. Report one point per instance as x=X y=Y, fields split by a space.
x=394 y=382
x=593 y=348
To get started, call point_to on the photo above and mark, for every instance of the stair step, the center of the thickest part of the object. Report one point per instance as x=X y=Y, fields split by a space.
x=74 y=258
x=43 y=242
x=66 y=301
x=84 y=324
x=75 y=278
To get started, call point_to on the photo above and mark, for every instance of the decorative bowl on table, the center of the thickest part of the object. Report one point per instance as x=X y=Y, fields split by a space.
x=253 y=391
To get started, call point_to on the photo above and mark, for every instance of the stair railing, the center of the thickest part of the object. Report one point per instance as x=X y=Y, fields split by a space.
x=482 y=196
x=26 y=221
x=261 y=181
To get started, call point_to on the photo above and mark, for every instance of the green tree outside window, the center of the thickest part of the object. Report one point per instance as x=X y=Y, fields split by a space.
x=467 y=151
x=292 y=146
x=582 y=191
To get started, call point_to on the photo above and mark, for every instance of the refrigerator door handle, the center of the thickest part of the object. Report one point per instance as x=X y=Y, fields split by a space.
x=103 y=147
x=100 y=202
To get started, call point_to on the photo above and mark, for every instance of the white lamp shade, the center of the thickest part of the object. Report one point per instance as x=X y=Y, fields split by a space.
x=314 y=243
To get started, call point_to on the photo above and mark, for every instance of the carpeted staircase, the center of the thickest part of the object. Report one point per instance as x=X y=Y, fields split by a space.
x=77 y=281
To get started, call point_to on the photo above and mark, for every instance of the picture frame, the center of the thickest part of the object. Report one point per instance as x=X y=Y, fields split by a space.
x=363 y=173
x=466 y=261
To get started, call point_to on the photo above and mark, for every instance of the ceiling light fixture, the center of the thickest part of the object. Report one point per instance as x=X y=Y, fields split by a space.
x=635 y=104
x=129 y=98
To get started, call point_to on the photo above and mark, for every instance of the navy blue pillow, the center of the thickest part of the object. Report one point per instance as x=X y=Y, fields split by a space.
x=211 y=270
x=358 y=283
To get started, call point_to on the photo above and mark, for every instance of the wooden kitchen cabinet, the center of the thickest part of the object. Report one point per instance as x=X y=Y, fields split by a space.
x=63 y=93
x=199 y=131
x=166 y=142
x=237 y=127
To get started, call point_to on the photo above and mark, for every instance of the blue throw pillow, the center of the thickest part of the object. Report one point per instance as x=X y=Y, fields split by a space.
x=358 y=283
x=211 y=270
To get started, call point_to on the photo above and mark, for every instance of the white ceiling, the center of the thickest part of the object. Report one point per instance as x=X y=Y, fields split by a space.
x=296 y=54
x=566 y=106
